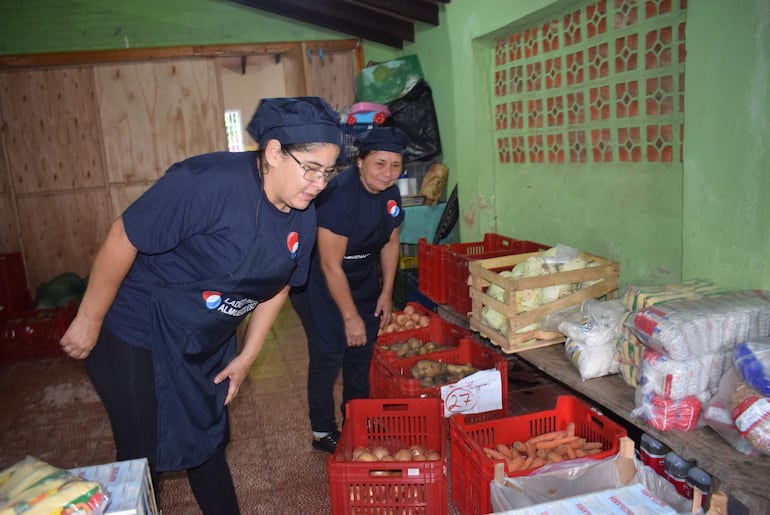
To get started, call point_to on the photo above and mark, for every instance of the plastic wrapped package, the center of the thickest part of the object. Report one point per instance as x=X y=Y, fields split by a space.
x=751 y=412
x=667 y=414
x=636 y=297
x=576 y=478
x=752 y=358
x=676 y=379
x=34 y=487
x=718 y=415
x=590 y=345
x=591 y=360
x=685 y=328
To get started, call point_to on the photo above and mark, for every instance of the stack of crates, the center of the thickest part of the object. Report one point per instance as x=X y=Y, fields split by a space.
x=443 y=269
x=439 y=331
x=394 y=379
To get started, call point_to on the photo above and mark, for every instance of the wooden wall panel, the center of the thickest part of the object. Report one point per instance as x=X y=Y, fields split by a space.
x=51 y=123
x=61 y=232
x=332 y=78
x=124 y=194
x=9 y=239
x=157 y=113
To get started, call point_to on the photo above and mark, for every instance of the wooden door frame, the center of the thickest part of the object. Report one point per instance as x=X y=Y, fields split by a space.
x=15 y=62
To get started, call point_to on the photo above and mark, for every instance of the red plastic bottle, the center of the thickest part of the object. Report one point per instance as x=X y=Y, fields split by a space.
x=652 y=452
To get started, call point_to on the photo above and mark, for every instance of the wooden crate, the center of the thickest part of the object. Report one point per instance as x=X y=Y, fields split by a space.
x=485 y=272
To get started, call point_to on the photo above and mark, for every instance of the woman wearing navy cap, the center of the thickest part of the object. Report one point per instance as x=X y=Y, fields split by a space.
x=349 y=294
x=219 y=236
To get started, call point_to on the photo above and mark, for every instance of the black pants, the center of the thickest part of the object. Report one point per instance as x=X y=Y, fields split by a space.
x=325 y=364
x=124 y=378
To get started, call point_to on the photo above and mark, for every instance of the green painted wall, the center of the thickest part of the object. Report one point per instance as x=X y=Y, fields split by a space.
x=726 y=230
x=712 y=221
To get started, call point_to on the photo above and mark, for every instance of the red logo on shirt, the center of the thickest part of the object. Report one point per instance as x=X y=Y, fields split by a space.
x=393 y=208
x=292 y=241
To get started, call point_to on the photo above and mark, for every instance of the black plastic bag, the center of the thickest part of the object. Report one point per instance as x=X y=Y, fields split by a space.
x=415 y=114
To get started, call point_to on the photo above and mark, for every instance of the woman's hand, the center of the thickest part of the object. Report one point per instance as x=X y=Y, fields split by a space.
x=80 y=337
x=384 y=309
x=355 y=331
x=236 y=372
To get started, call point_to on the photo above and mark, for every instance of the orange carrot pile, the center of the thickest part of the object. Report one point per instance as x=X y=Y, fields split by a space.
x=551 y=447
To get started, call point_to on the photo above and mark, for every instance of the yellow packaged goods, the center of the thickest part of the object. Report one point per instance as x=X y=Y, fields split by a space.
x=34 y=487
x=511 y=295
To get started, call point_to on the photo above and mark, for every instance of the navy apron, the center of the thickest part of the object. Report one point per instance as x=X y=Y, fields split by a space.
x=194 y=328
x=365 y=286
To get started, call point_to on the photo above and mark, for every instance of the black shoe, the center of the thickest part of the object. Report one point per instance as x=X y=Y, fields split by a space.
x=327 y=443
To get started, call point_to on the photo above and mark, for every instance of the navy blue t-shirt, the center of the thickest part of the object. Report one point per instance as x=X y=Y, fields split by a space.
x=197 y=223
x=367 y=220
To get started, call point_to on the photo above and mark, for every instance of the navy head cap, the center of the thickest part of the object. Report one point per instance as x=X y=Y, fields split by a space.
x=389 y=139
x=295 y=120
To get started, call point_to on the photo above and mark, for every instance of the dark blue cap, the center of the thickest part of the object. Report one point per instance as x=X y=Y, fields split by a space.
x=389 y=139
x=295 y=120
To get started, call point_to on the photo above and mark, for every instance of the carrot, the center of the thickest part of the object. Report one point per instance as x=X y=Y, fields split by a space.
x=571 y=453
x=552 y=444
x=528 y=462
x=592 y=451
x=592 y=445
x=571 y=429
x=579 y=453
x=504 y=450
x=553 y=457
x=516 y=464
x=494 y=455
x=520 y=447
x=537 y=462
x=578 y=444
x=546 y=437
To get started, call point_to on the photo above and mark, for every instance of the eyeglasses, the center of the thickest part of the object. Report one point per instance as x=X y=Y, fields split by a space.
x=314 y=174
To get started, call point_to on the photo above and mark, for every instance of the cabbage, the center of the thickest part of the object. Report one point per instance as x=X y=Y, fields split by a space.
x=495 y=320
x=531 y=267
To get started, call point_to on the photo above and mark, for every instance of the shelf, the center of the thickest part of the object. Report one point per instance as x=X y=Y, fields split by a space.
x=746 y=478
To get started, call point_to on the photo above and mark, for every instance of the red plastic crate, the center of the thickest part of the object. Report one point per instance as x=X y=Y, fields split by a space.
x=418 y=487
x=436 y=275
x=35 y=334
x=396 y=380
x=458 y=295
x=472 y=470
x=439 y=331
x=14 y=294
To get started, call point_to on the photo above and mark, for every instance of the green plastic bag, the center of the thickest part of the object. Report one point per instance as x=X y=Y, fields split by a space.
x=384 y=82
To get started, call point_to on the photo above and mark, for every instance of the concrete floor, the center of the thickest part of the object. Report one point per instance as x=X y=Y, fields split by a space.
x=49 y=410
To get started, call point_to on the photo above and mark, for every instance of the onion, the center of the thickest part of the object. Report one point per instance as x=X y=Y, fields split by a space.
x=409 y=309
x=431 y=455
x=357 y=452
x=417 y=450
x=366 y=456
x=380 y=451
x=424 y=321
x=403 y=455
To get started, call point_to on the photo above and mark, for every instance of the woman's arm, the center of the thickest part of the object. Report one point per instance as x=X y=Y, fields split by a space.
x=260 y=322
x=331 y=248
x=389 y=263
x=111 y=265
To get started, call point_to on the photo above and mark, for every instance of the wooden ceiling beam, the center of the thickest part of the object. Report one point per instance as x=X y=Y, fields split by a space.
x=416 y=10
x=342 y=16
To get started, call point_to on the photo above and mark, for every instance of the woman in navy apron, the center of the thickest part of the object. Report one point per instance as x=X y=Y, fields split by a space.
x=218 y=237
x=349 y=294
